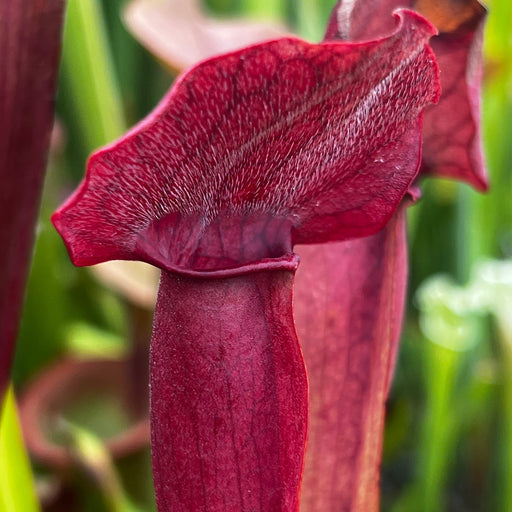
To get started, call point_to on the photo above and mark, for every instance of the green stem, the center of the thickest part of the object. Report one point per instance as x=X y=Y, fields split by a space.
x=465 y=251
x=441 y=365
x=503 y=316
x=95 y=459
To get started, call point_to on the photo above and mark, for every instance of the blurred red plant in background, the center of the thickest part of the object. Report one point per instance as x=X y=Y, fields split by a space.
x=349 y=305
x=30 y=37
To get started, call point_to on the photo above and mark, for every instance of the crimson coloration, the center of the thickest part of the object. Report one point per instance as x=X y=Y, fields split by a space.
x=250 y=153
x=324 y=138
x=229 y=394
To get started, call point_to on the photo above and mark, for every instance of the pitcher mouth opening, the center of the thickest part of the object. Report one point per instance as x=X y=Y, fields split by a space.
x=227 y=246
x=288 y=262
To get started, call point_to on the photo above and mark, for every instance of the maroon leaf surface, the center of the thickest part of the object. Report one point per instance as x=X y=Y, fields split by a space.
x=229 y=394
x=281 y=143
x=249 y=153
x=452 y=143
x=348 y=308
x=29 y=48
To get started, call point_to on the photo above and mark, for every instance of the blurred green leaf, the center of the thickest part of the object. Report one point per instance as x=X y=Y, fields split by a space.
x=85 y=340
x=47 y=305
x=311 y=20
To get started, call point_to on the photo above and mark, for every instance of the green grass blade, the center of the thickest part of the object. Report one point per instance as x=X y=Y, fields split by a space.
x=89 y=74
x=17 y=492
